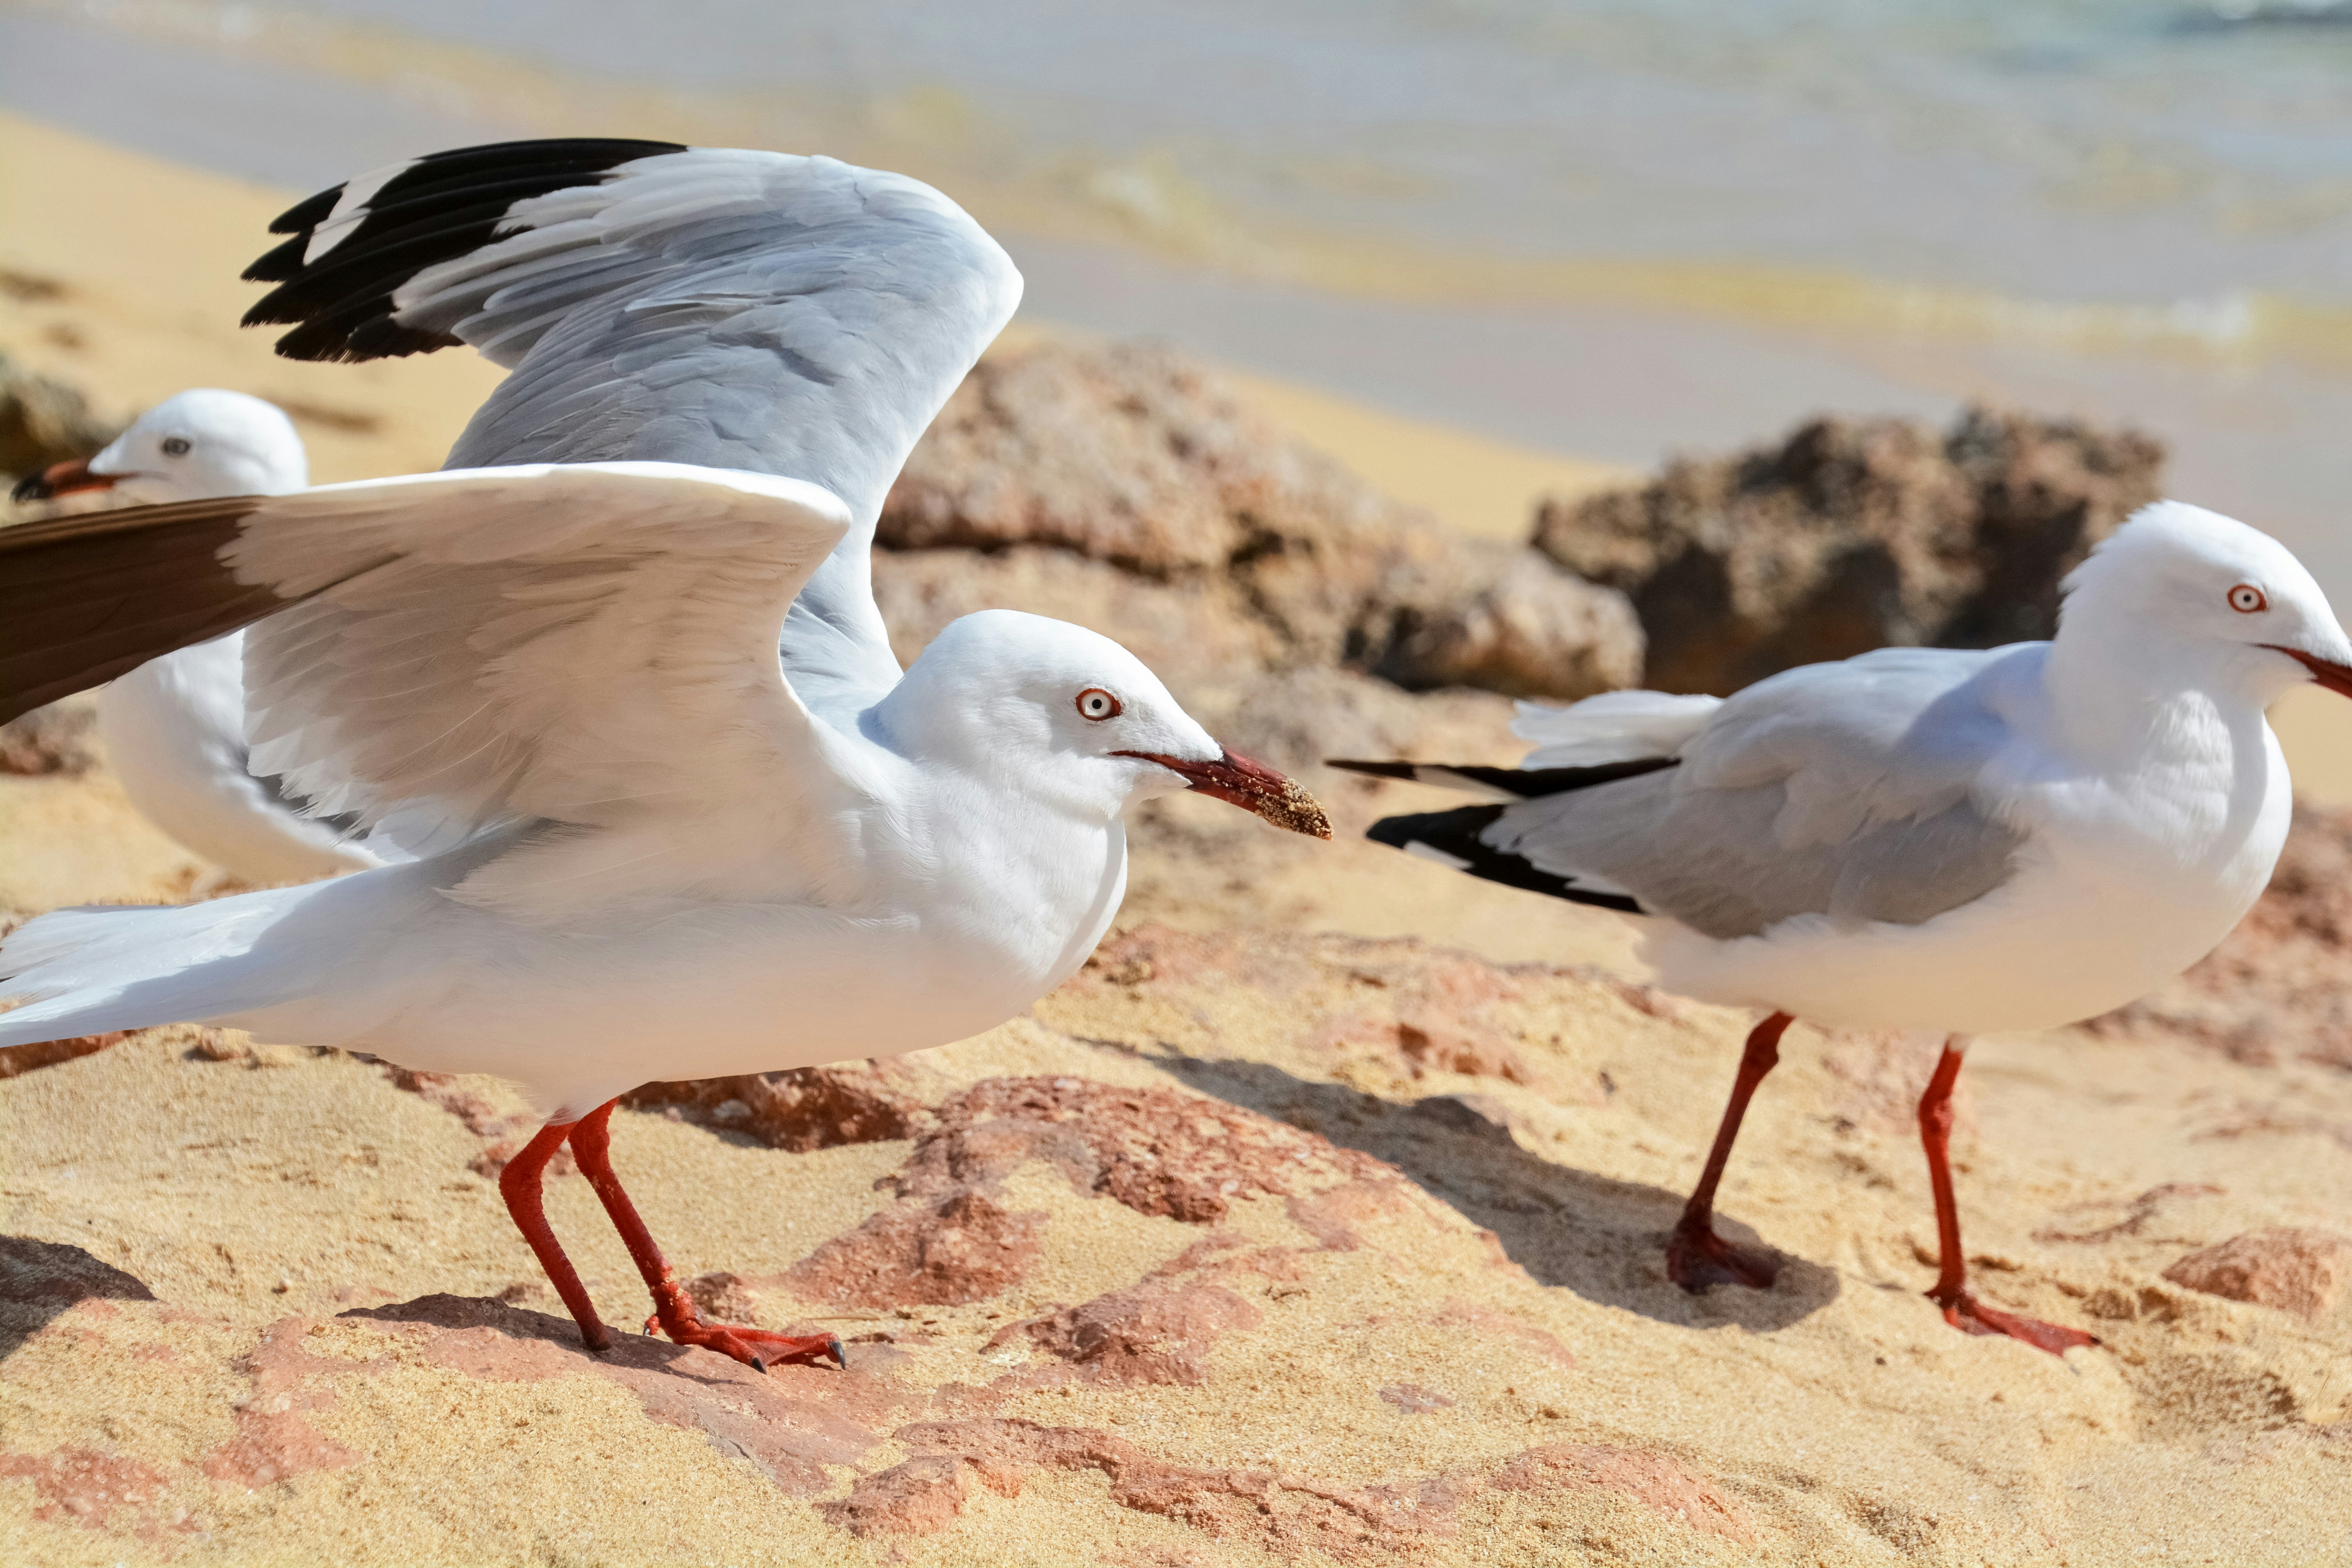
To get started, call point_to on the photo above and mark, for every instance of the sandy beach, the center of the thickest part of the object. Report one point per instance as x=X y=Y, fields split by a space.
x=1318 y=1220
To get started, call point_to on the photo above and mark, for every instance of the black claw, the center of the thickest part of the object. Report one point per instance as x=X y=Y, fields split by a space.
x=758 y=1364
x=840 y=1357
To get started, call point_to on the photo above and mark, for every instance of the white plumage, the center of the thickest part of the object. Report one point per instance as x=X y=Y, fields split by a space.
x=652 y=859
x=678 y=815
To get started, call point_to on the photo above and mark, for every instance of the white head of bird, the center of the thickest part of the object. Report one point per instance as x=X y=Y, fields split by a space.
x=200 y=443
x=1070 y=720
x=2182 y=598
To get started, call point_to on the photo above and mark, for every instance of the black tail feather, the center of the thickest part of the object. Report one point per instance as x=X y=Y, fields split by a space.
x=1522 y=784
x=1456 y=838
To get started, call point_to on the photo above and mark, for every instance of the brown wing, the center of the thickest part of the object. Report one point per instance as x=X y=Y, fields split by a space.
x=84 y=599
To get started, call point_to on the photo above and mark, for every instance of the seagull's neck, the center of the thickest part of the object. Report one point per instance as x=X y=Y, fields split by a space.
x=1036 y=879
x=2122 y=699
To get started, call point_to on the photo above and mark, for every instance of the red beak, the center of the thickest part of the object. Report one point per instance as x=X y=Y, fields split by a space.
x=1252 y=786
x=2336 y=677
x=61 y=480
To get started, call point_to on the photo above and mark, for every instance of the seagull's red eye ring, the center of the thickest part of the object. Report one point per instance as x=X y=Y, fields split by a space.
x=2247 y=599
x=1096 y=703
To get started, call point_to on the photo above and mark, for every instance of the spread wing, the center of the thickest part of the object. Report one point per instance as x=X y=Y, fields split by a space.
x=784 y=315
x=1844 y=790
x=587 y=645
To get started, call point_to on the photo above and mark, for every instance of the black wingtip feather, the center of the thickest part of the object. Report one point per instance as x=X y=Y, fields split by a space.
x=384 y=337
x=307 y=214
x=1526 y=784
x=435 y=209
x=280 y=263
x=340 y=281
x=1455 y=835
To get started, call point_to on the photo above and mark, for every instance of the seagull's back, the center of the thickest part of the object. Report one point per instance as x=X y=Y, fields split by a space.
x=1909 y=840
x=2057 y=887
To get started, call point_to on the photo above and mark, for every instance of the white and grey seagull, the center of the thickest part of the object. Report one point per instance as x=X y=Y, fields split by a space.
x=174 y=728
x=653 y=845
x=1952 y=842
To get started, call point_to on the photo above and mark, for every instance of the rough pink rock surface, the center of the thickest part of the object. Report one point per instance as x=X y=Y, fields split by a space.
x=803 y=1109
x=920 y=1497
x=1159 y=1151
x=90 y=1488
x=795 y=1422
x=1153 y=1333
x=1287 y=1516
x=2292 y=1268
x=14 y=1059
x=962 y=1247
x=274 y=1439
x=1658 y=1481
x=949 y=1240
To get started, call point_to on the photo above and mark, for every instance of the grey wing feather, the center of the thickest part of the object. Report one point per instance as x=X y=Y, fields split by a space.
x=1840 y=790
x=793 y=316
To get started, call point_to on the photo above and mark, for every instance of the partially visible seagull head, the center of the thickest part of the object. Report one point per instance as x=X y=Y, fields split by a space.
x=2230 y=598
x=199 y=444
x=1068 y=718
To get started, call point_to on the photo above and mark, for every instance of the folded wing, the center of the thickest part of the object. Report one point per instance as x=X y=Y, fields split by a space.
x=1840 y=790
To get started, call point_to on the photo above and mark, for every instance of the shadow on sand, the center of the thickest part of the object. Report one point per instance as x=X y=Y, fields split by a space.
x=39 y=1280
x=1571 y=1229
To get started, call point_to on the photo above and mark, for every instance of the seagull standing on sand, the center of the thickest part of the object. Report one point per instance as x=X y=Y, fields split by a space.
x=653 y=845
x=1930 y=839
x=174 y=728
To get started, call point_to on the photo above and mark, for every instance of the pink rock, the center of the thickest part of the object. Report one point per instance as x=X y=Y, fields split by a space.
x=2292 y=1268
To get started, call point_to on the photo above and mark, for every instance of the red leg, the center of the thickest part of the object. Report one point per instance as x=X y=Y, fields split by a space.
x=518 y=1185
x=673 y=1308
x=1695 y=1257
x=1962 y=1310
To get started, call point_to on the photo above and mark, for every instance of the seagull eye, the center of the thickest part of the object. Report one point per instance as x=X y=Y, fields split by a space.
x=1096 y=703
x=2246 y=599
x=175 y=446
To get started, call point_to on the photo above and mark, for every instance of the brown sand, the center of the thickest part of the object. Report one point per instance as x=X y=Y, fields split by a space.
x=1392 y=1294
x=1443 y=1336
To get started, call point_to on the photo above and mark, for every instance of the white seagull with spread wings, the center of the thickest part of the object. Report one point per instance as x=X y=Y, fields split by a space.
x=652 y=845
x=1933 y=839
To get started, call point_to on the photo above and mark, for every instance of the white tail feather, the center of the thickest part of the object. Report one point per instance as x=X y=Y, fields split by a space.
x=1614 y=727
x=88 y=971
